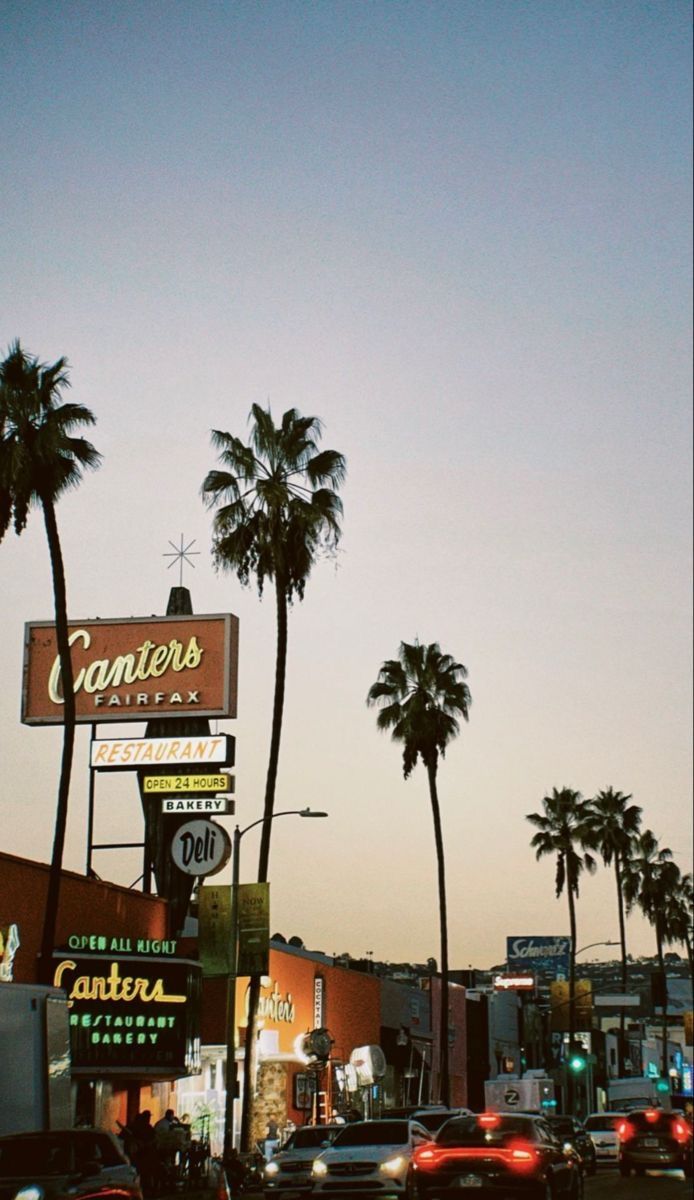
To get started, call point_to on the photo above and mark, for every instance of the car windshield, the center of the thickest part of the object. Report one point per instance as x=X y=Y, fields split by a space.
x=603 y=1122
x=309 y=1137
x=431 y=1120
x=563 y=1127
x=373 y=1133
x=490 y=1130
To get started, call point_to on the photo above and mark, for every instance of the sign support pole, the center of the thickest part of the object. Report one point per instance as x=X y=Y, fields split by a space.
x=231 y=1068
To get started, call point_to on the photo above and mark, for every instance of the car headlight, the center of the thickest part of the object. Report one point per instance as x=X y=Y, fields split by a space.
x=393 y=1166
x=319 y=1168
x=33 y=1192
x=271 y=1168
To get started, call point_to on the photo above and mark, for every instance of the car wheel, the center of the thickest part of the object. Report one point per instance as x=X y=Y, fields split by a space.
x=624 y=1169
x=592 y=1168
x=640 y=1171
x=688 y=1167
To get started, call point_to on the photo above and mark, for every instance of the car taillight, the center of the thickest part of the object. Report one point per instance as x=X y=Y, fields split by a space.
x=625 y=1131
x=651 y=1115
x=522 y=1156
x=488 y=1120
x=681 y=1132
x=426 y=1156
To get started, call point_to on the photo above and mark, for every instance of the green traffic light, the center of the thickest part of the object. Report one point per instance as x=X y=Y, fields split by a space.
x=576 y=1063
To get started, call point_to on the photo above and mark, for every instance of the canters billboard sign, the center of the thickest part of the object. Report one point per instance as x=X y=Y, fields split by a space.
x=133 y=669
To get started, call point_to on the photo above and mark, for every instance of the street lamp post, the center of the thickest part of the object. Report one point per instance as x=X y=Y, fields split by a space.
x=591 y=944
x=231 y=1070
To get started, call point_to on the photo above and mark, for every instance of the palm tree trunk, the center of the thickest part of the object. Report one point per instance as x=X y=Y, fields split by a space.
x=444 y=1072
x=623 y=944
x=61 y=633
x=251 y=1039
x=572 y=986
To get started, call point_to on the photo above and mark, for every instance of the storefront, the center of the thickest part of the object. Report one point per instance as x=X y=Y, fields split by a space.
x=302 y=992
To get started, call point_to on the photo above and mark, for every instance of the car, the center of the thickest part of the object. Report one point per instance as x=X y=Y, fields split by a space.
x=288 y=1173
x=495 y=1154
x=602 y=1128
x=651 y=1137
x=570 y=1131
x=369 y=1157
x=74 y=1163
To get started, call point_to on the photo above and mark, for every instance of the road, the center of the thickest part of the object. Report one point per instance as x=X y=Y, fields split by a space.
x=609 y=1185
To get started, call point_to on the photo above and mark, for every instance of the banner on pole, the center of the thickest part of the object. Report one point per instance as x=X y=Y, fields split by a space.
x=254 y=929
x=214 y=929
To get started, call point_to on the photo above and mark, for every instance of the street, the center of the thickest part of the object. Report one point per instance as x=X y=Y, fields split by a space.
x=608 y=1184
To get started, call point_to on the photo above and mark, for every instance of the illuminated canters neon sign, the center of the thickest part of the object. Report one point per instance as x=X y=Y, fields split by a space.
x=149 y=661
x=114 y=986
x=274 y=1007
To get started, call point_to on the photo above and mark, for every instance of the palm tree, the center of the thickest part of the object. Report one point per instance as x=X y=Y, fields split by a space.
x=561 y=832
x=278 y=510
x=611 y=825
x=650 y=880
x=681 y=916
x=421 y=694
x=40 y=459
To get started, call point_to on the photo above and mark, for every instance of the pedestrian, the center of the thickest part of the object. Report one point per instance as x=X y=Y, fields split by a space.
x=272 y=1137
x=145 y=1155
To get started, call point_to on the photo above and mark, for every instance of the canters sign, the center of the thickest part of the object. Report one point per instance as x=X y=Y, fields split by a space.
x=132 y=1014
x=130 y=670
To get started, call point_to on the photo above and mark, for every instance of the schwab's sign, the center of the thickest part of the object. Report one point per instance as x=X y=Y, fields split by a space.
x=131 y=1015
x=539 y=955
x=132 y=669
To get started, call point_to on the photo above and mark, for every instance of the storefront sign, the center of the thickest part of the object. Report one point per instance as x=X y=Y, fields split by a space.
x=188 y=783
x=120 y=755
x=107 y=944
x=135 y=1014
x=200 y=848
x=542 y=955
x=129 y=670
x=272 y=1005
x=211 y=805
x=517 y=983
x=254 y=929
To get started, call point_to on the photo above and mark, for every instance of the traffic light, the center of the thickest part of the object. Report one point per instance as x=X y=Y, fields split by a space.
x=578 y=1059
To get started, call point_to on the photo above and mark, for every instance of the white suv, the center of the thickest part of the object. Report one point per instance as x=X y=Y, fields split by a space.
x=368 y=1157
x=288 y=1173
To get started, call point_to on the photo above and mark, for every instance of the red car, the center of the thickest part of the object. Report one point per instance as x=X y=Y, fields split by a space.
x=495 y=1154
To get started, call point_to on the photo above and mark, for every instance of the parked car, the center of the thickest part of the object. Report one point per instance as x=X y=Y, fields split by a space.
x=498 y=1154
x=651 y=1137
x=571 y=1132
x=288 y=1173
x=602 y=1128
x=73 y=1163
x=369 y=1157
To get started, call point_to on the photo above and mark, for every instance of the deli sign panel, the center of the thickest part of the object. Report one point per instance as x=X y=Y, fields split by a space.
x=133 y=669
x=131 y=1014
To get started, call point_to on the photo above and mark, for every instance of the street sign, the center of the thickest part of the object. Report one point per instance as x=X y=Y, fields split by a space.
x=126 y=754
x=253 y=928
x=189 y=783
x=220 y=806
x=200 y=848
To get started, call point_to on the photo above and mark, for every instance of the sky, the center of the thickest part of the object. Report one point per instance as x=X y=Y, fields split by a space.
x=460 y=234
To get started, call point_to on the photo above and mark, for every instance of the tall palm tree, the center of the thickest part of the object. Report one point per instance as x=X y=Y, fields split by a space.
x=278 y=511
x=650 y=879
x=421 y=694
x=40 y=459
x=681 y=916
x=611 y=825
x=561 y=832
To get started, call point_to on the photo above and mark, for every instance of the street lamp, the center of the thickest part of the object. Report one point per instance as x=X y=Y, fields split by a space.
x=591 y=944
x=231 y=1072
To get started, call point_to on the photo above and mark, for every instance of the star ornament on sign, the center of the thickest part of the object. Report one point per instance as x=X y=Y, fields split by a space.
x=181 y=554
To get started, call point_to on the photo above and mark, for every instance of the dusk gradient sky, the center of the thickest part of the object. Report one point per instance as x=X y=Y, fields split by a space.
x=460 y=234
